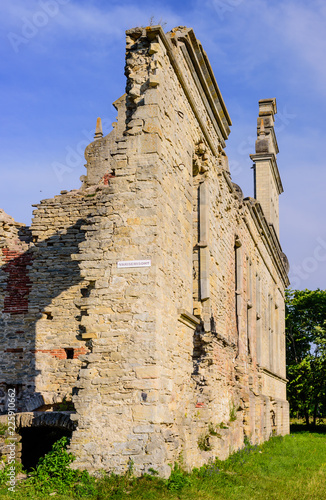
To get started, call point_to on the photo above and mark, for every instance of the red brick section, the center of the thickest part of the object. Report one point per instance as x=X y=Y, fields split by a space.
x=18 y=283
x=61 y=353
x=79 y=351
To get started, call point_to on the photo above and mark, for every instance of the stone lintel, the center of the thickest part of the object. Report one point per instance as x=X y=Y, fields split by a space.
x=268 y=372
x=224 y=340
x=88 y=336
x=188 y=319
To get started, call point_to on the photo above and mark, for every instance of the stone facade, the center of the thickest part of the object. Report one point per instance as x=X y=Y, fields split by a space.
x=153 y=296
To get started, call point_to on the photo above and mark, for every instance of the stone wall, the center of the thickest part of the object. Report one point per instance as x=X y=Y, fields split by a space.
x=40 y=283
x=199 y=366
x=15 y=285
x=185 y=355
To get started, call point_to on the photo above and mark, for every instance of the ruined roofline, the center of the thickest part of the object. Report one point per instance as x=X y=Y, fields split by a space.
x=203 y=78
x=271 y=240
x=204 y=71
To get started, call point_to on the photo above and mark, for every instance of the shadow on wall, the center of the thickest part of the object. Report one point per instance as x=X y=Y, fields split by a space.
x=29 y=281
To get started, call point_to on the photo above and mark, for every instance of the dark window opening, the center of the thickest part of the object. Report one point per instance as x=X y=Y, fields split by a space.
x=69 y=352
x=87 y=291
x=48 y=315
x=37 y=442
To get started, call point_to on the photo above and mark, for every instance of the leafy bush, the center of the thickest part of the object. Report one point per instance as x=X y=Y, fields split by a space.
x=178 y=478
x=53 y=474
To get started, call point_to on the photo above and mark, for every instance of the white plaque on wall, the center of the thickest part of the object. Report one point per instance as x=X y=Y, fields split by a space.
x=134 y=263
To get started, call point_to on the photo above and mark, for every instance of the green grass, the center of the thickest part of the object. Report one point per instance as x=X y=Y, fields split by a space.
x=289 y=468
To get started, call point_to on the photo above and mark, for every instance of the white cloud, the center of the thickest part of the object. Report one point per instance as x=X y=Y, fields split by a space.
x=284 y=35
x=301 y=30
x=83 y=20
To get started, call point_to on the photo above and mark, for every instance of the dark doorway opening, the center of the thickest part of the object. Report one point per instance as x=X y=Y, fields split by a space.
x=37 y=442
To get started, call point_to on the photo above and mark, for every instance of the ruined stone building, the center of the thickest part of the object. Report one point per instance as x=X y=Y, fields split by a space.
x=153 y=296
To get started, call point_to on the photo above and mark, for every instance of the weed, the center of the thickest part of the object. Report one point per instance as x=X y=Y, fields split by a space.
x=246 y=440
x=130 y=470
x=66 y=404
x=203 y=442
x=3 y=428
x=209 y=469
x=242 y=455
x=5 y=471
x=160 y=22
x=233 y=412
x=212 y=429
x=178 y=478
x=153 y=471
x=181 y=459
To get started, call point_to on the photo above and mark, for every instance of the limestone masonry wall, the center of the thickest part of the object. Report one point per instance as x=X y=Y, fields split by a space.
x=179 y=350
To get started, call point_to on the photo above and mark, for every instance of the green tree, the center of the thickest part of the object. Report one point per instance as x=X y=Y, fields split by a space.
x=306 y=352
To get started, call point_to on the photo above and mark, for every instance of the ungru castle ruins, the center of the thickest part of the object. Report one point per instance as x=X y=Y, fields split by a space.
x=153 y=296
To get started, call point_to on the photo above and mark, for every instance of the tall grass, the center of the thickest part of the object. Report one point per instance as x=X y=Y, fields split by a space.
x=284 y=468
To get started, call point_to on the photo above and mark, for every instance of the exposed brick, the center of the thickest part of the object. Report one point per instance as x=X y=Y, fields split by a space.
x=18 y=283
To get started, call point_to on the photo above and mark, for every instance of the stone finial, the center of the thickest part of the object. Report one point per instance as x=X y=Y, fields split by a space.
x=98 y=130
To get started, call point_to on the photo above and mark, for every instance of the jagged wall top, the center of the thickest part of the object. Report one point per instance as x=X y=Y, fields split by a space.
x=194 y=73
x=184 y=39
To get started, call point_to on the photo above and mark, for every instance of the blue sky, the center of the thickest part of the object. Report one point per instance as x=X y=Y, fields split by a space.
x=63 y=64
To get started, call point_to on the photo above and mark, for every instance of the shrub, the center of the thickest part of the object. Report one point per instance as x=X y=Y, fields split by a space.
x=178 y=478
x=53 y=473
